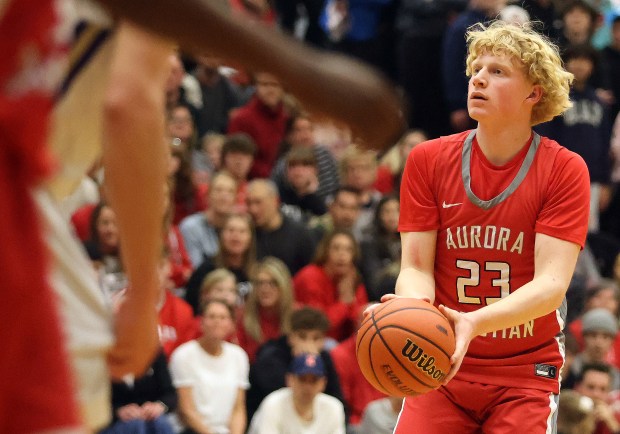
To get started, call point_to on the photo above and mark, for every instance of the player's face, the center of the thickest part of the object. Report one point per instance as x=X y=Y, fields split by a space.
x=499 y=90
x=236 y=236
x=267 y=290
x=595 y=385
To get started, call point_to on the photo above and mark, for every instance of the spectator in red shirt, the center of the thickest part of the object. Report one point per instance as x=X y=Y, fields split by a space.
x=267 y=310
x=333 y=284
x=264 y=119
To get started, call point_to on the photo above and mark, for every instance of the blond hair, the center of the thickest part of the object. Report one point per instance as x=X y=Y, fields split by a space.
x=540 y=58
x=251 y=316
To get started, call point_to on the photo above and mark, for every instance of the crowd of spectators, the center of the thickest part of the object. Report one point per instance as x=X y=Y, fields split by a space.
x=280 y=229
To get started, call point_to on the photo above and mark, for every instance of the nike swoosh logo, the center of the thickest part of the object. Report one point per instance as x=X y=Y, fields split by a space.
x=450 y=205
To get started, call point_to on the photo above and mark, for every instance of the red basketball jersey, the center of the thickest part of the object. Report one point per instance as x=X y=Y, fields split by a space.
x=486 y=219
x=36 y=391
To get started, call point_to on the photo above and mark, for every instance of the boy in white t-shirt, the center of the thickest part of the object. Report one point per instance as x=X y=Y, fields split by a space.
x=301 y=407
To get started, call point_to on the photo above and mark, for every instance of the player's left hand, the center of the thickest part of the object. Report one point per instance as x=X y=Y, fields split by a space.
x=463 y=333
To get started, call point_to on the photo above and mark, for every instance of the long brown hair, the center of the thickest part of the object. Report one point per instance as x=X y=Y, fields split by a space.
x=249 y=258
x=251 y=316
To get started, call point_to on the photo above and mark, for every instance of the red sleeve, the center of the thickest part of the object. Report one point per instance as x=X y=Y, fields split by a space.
x=567 y=206
x=418 y=207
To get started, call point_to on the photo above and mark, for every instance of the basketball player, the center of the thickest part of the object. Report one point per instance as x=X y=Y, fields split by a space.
x=36 y=393
x=492 y=221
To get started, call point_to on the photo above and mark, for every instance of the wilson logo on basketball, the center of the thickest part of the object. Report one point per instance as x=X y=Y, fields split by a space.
x=422 y=360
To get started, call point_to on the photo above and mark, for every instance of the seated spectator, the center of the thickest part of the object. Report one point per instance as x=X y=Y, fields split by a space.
x=274 y=230
x=264 y=119
x=575 y=413
x=599 y=329
x=380 y=416
x=237 y=157
x=200 y=230
x=301 y=406
x=188 y=197
x=207 y=159
x=606 y=295
x=307 y=335
x=595 y=383
x=342 y=213
x=219 y=284
x=219 y=95
x=358 y=169
x=333 y=284
x=180 y=263
x=141 y=405
x=380 y=247
x=356 y=390
x=237 y=253
x=103 y=248
x=176 y=324
x=267 y=310
x=394 y=159
x=300 y=134
x=300 y=186
x=211 y=376
x=182 y=88
x=180 y=125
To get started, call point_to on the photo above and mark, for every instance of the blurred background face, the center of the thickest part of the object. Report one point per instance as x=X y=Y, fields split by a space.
x=269 y=90
x=217 y=323
x=107 y=230
x=605 y=298
x=581 y=69
x=267 y=290
x=238 y=164
x=262 y=205
x=175 y=76
x=340 y=254
x=181 y=124
x=345 y=209
x=389 y=215
x=361 y=173
x=306 y=341
x=225 y=289
x=595 y=385
x=410 y=141
x=209 y=63
x=306 y=387
x=300 y=174
x=222 y=193
x=302 y=133
x=577 y=21
x=597 y=344
x=236 y=236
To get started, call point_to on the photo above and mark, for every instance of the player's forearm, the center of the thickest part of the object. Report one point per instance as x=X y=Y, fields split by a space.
x=324 y=82
x=415 y=283
x=135 y=154
x=533 y=300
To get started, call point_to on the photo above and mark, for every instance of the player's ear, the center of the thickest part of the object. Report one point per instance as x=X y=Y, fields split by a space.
x=536 y=94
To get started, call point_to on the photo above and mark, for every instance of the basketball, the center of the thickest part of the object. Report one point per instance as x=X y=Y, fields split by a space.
x=404 y=347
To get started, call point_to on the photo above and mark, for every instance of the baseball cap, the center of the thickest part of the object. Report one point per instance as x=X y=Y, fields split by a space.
x=307 y=364
x=599 y=320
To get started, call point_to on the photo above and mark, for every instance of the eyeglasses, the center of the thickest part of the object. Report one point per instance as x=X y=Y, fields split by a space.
x=270 y=283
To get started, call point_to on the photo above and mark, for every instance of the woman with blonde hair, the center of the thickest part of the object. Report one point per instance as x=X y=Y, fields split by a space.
x=268 y=307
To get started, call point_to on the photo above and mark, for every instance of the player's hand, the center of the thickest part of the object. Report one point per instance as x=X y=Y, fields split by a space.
x=463 y=332
x=384 y=299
